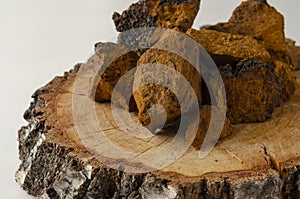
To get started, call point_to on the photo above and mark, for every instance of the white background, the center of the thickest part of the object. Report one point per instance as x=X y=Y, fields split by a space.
x=40 y=39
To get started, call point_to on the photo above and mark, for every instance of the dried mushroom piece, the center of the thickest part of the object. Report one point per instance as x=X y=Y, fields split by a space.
x=252 y=90
x=115 y=62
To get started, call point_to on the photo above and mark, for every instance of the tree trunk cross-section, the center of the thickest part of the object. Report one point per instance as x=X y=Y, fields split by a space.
x=259 y=160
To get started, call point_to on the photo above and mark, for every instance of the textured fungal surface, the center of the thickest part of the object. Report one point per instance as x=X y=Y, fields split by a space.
x=285 y=74
x=115 y=60
x=204 y=125
x=148 y=95
x=294 y=52
x=177 y=15
x=262 y=22
x=227 y=48
x=252 y=90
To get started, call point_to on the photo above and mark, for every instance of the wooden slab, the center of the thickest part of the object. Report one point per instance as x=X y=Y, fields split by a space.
x=72 y=147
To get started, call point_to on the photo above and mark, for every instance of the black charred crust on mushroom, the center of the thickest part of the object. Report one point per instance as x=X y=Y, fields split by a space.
x=136 y=16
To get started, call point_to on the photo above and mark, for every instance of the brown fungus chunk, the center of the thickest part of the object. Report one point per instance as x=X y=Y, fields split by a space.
x=148 y=95
x=262 y=22
x=252 y=90
x=115 y=62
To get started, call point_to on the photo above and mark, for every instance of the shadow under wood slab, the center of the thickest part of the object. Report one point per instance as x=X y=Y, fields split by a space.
x=257 y=161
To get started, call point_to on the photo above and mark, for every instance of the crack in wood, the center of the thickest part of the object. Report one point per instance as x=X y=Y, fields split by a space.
x=233 y=155
x=271 y=159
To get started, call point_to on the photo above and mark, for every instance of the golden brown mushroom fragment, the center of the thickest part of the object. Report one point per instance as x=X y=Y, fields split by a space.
x=294 y=52
x=115 y=62
x=171 y=14
x=262 y=22
x=204 y=125
x=227 y=48
x=252 y=90
x=151 y=66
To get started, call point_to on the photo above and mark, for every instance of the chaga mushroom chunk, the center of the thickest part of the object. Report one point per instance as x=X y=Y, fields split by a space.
x=227 y=48
x=137 y=22
x=262 y=22
x=252 y=90
x=287 y=80
x=204 y=125
x=115 y=62
x=165 y=83
x=171 y=14
x=294 y=52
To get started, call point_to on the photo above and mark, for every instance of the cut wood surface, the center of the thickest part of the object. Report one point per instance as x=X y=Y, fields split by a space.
x=66 y=152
